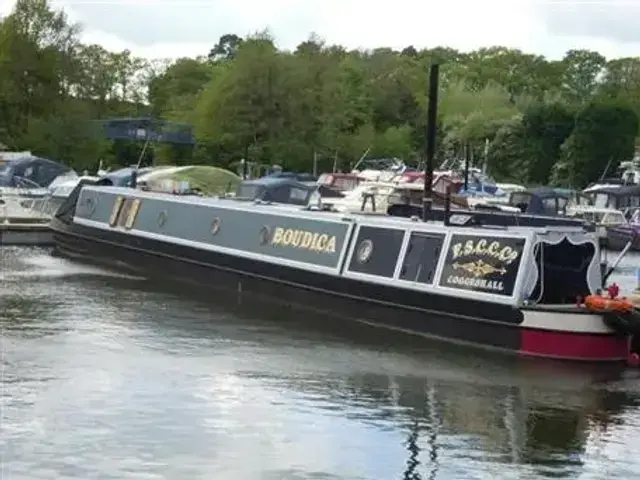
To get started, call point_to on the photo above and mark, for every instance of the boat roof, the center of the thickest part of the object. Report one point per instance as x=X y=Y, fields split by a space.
x=622 y=191
x=303 y=212
x=302 y=177
x=27 y=158
x=545 y=192
x=277 y=181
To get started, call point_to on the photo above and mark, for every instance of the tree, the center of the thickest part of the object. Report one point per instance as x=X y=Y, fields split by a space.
x=226 y=48
x=545 y=128
x=581 y=71
x=604 y=135
x=247 y=99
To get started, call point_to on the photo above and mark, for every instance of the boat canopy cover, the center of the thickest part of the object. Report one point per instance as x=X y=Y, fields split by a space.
x=30 y=171
x=277 y=190
x=540 y=201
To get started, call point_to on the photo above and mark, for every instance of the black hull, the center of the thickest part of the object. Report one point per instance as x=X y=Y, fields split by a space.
x=618 y=240
x=454 y=319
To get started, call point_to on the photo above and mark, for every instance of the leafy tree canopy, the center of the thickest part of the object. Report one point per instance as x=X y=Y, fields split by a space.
x=544 y=120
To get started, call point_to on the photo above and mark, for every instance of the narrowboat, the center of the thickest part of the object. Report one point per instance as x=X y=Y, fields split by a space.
x=509 y=288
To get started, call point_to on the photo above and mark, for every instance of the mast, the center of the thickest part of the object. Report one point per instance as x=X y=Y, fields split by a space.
x=430 y=149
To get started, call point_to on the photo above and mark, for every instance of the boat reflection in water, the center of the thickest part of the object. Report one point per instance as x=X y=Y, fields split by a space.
x=451 y=409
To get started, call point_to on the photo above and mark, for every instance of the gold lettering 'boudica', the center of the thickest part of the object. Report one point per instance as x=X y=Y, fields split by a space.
x=316 y=242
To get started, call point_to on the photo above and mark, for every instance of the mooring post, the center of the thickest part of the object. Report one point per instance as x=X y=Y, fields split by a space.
x=432 y=114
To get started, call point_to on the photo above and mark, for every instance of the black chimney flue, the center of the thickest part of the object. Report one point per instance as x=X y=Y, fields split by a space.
x=432 y=114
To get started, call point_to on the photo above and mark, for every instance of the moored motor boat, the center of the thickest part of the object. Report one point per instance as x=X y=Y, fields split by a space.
x=619 y=235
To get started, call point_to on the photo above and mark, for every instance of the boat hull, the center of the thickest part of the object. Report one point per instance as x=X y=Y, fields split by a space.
x=618 y=238
x=529 y=332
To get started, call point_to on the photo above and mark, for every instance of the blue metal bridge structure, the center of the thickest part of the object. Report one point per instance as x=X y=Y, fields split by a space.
x=146 y=129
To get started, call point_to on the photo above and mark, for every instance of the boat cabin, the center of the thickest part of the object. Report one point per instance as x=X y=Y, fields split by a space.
x=606 y=217
x=619 y=198
x=279 y=190
x=30 y=172
x=342 y=182
x=542 y=201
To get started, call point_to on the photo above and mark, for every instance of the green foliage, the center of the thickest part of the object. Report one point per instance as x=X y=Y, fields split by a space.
x=546 y=121
x=603 y=136
x=545 y=128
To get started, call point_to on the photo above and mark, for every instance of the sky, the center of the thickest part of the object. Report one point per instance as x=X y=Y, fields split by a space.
x=176 y=28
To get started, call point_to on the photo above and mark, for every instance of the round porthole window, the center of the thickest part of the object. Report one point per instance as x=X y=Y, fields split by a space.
x=88 y=205
x=264 y=235
x=215 y=226
x=364 y=251
x=162 y=218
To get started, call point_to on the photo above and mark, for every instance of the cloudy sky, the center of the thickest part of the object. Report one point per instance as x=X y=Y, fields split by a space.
x=172 y=28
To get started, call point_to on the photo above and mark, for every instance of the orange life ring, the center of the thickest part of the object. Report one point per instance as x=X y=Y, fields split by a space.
x=604 y=304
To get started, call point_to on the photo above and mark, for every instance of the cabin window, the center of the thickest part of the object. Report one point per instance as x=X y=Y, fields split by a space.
x=562 y=204
x=601 y=200
x=298 y=195
x=520 y=200
x=562 y=272
x=612 y=219
x=550 y=206
x=325 y=179
x=345 y=183
x=421 y=258
x=246 y=191
x=376 y=251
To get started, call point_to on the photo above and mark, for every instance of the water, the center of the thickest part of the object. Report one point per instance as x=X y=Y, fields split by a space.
x=113 y=377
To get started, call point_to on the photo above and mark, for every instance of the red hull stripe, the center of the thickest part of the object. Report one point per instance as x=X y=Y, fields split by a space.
x=573 y=345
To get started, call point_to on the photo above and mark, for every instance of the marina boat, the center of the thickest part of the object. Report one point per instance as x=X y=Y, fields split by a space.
x=29 y=172
x=619 y=198
x=380 y=169
x=619 y=235
x=57 y=193
x=512 y=288
x=533 y=207
x=628 y=175
x=603 y=219
x=341 y=182
x=24 y=177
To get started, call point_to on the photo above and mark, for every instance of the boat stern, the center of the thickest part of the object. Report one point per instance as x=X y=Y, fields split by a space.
x=572 y=333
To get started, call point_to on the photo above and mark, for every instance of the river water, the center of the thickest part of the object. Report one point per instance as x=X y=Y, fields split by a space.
x=112 y=377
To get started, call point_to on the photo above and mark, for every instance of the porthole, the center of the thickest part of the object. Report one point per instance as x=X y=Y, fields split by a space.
x=88 y=206
x=215 y=226
x=264 y=235
x=364 y=251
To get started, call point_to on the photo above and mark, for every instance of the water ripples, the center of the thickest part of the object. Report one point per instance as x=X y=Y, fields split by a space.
x=105 y=376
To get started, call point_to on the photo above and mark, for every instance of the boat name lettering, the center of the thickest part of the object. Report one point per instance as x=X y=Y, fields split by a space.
x=317 y=242
x=483 y=247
